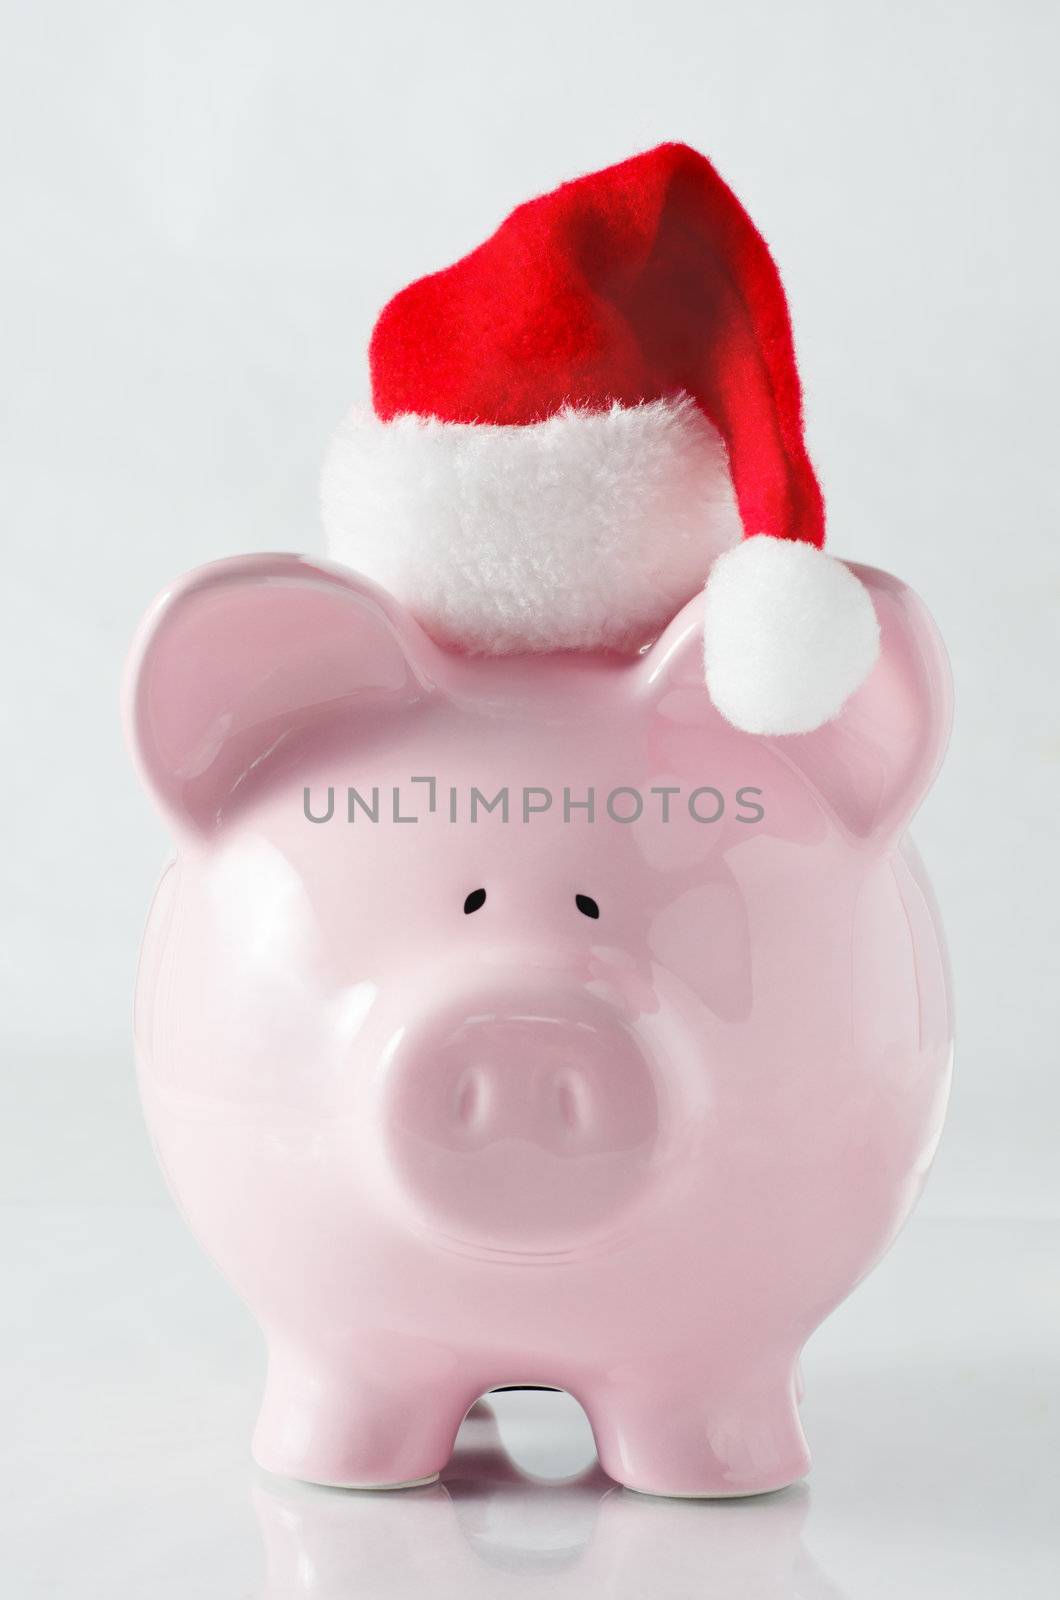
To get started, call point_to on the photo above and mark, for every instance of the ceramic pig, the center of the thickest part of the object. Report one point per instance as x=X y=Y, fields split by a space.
x=519 y=1021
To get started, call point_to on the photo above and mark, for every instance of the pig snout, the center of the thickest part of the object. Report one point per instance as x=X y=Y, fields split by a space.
x=521 y=1124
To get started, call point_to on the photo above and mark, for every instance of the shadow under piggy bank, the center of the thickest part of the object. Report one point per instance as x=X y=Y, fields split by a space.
x=494 y=1525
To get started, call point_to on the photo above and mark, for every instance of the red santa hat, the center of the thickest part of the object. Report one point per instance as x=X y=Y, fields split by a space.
x=586 y=419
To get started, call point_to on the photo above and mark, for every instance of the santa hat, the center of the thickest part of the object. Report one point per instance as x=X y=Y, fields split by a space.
x=588 y=417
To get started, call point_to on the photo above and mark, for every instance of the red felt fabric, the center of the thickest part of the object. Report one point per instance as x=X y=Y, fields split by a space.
x=630 y=284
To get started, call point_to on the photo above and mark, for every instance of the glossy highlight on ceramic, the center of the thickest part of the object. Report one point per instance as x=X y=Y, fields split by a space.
x=637 y=1155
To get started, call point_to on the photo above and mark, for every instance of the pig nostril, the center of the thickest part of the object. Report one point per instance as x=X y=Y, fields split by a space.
x=469 y=1098
x=569 y=1102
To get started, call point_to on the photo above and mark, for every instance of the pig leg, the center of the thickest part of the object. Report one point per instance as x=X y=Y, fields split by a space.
x=331 y=1422
x=660 y=1439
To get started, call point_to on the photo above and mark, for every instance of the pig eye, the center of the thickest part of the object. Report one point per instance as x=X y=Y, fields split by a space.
x=475 y=901
x=587 y=905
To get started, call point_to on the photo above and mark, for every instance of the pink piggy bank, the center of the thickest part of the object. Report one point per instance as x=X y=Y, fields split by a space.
x=521 y=1022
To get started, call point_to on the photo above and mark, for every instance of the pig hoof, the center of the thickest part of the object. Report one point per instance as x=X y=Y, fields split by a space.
x=337 y=1474
x=703 y=1453
x=367 y=1488
x=316 y=1431
x=718 y=1493
x=340 y=1473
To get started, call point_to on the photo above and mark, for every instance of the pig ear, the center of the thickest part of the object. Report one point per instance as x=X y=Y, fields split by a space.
x=240 y=661
x=873 y=763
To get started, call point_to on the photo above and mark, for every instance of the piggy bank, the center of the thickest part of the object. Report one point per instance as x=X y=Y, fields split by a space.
x=520 y=1021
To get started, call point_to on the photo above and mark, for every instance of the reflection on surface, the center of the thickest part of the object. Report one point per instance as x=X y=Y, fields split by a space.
x=523 y=1508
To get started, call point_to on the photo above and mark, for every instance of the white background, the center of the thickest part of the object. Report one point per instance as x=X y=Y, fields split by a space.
x=205 y=205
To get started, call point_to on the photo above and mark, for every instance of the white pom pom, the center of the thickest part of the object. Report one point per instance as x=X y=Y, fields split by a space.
x=789 y=634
